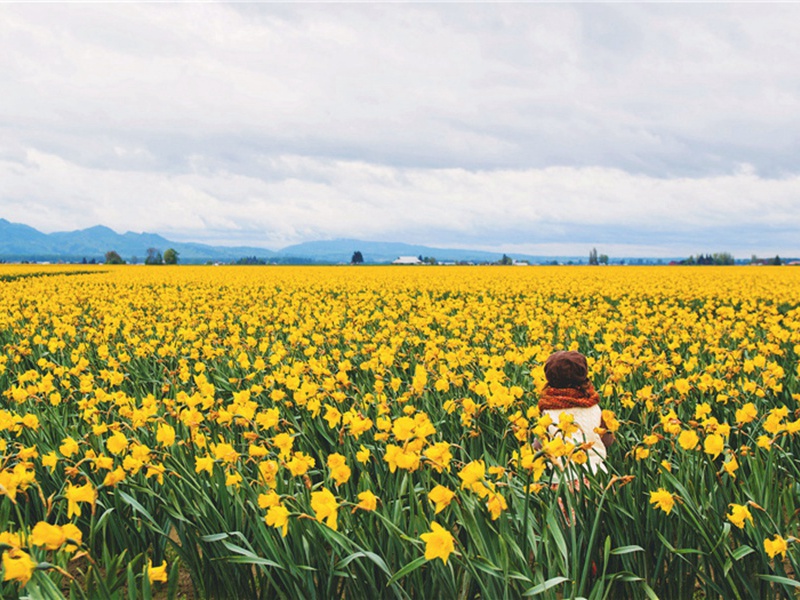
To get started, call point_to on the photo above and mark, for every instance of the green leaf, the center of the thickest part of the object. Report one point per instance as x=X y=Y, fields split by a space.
x=131 y=582
x=215 y=537
x=781 y=580
x=410 y=567
x=543 y=587
x=248 y=557
x=172 y=580
x=558 y=537
x=626 y=550
x=136 y=505
x=364 y=554
x=741 y=552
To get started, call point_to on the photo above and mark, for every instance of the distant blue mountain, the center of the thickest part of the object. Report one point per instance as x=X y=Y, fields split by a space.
x=21 y=242
x=341 y=251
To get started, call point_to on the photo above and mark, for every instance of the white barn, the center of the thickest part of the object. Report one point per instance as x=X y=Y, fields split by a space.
x=407 y=260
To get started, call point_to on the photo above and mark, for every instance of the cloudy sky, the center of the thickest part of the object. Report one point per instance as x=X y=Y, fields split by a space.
x=640 y=129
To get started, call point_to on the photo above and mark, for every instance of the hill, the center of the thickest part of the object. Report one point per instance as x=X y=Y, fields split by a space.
x=20 y=242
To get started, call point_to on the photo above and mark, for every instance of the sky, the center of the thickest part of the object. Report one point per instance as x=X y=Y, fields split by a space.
x=640 y=129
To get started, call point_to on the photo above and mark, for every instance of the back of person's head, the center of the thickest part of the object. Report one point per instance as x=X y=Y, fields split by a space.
x=566 y=369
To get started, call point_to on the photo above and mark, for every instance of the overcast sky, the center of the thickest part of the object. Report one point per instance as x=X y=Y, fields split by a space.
x=640 y=129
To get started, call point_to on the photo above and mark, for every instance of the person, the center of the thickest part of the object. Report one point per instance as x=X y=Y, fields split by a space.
x=569 y=391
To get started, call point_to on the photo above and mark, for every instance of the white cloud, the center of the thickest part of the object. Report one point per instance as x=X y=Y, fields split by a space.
x=305 y=198
x=514 y=124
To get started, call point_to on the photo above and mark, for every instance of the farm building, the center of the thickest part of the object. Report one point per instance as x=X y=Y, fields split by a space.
x=407 y=260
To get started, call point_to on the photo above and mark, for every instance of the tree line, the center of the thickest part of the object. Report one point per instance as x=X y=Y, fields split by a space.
x=154 y=257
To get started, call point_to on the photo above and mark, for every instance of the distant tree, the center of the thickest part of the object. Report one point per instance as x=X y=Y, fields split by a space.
x=603 y=259
x=134 y=260
x=723 y=258
x=593 y=256
x=154 y=257
x=250 y=260
x=506 y=260
x=170 y=256
x=357 y=259
x=776 y=261
x=112 y=258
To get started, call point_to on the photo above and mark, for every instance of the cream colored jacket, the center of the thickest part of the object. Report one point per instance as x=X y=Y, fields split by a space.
x=587 y=420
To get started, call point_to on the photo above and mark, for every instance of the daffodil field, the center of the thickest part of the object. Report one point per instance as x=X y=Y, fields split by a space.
x=368 y=432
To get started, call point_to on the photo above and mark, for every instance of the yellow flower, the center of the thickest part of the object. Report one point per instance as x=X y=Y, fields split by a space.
x=439 y=543
x=50 y=460
x=747 y=413
x=566 y=423
x=300 y=464
x=278 y=517
x=225 y=452
x=11 y=539
x=688 y=439
x=268 y=470
x=496 y=504
x=731 y=466
x=337 y=465
x=68 y=447
x=283 y=442
x=776 y=545
x=441 y=497
x=76 y=494
x=368 y=501
x=324 y=505
x=158 y=573
x=72 y=533
x=165 y=435
x=18 y=566
x=702 y=410
x=403 y=428
x=662 y=499
x=112 y=478
x=363 y=455
x=739 y=514
x=204 y=463
x=439 y=455
x=49 y=536
x=269 y=499
x=472 y=473
x=713 y=445
x=117 y=443
x=332 y=415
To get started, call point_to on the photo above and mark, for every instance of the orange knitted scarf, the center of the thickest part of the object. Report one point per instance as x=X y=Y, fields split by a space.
x=558 y=398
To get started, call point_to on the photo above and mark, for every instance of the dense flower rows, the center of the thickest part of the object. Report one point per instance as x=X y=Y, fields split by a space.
x=369 y=432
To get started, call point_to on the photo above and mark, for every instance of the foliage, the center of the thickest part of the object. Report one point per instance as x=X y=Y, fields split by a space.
x=171 y=256
x=347 y=433
x=154 y=257
x=718 y=258
x=113 y=258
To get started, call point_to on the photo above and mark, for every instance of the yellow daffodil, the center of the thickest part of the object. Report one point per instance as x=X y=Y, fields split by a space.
x=439 y=543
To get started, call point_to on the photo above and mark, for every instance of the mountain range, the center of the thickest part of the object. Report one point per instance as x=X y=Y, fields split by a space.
x=20 y=242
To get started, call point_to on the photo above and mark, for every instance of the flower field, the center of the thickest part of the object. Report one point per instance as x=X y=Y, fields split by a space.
x=368 y=432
